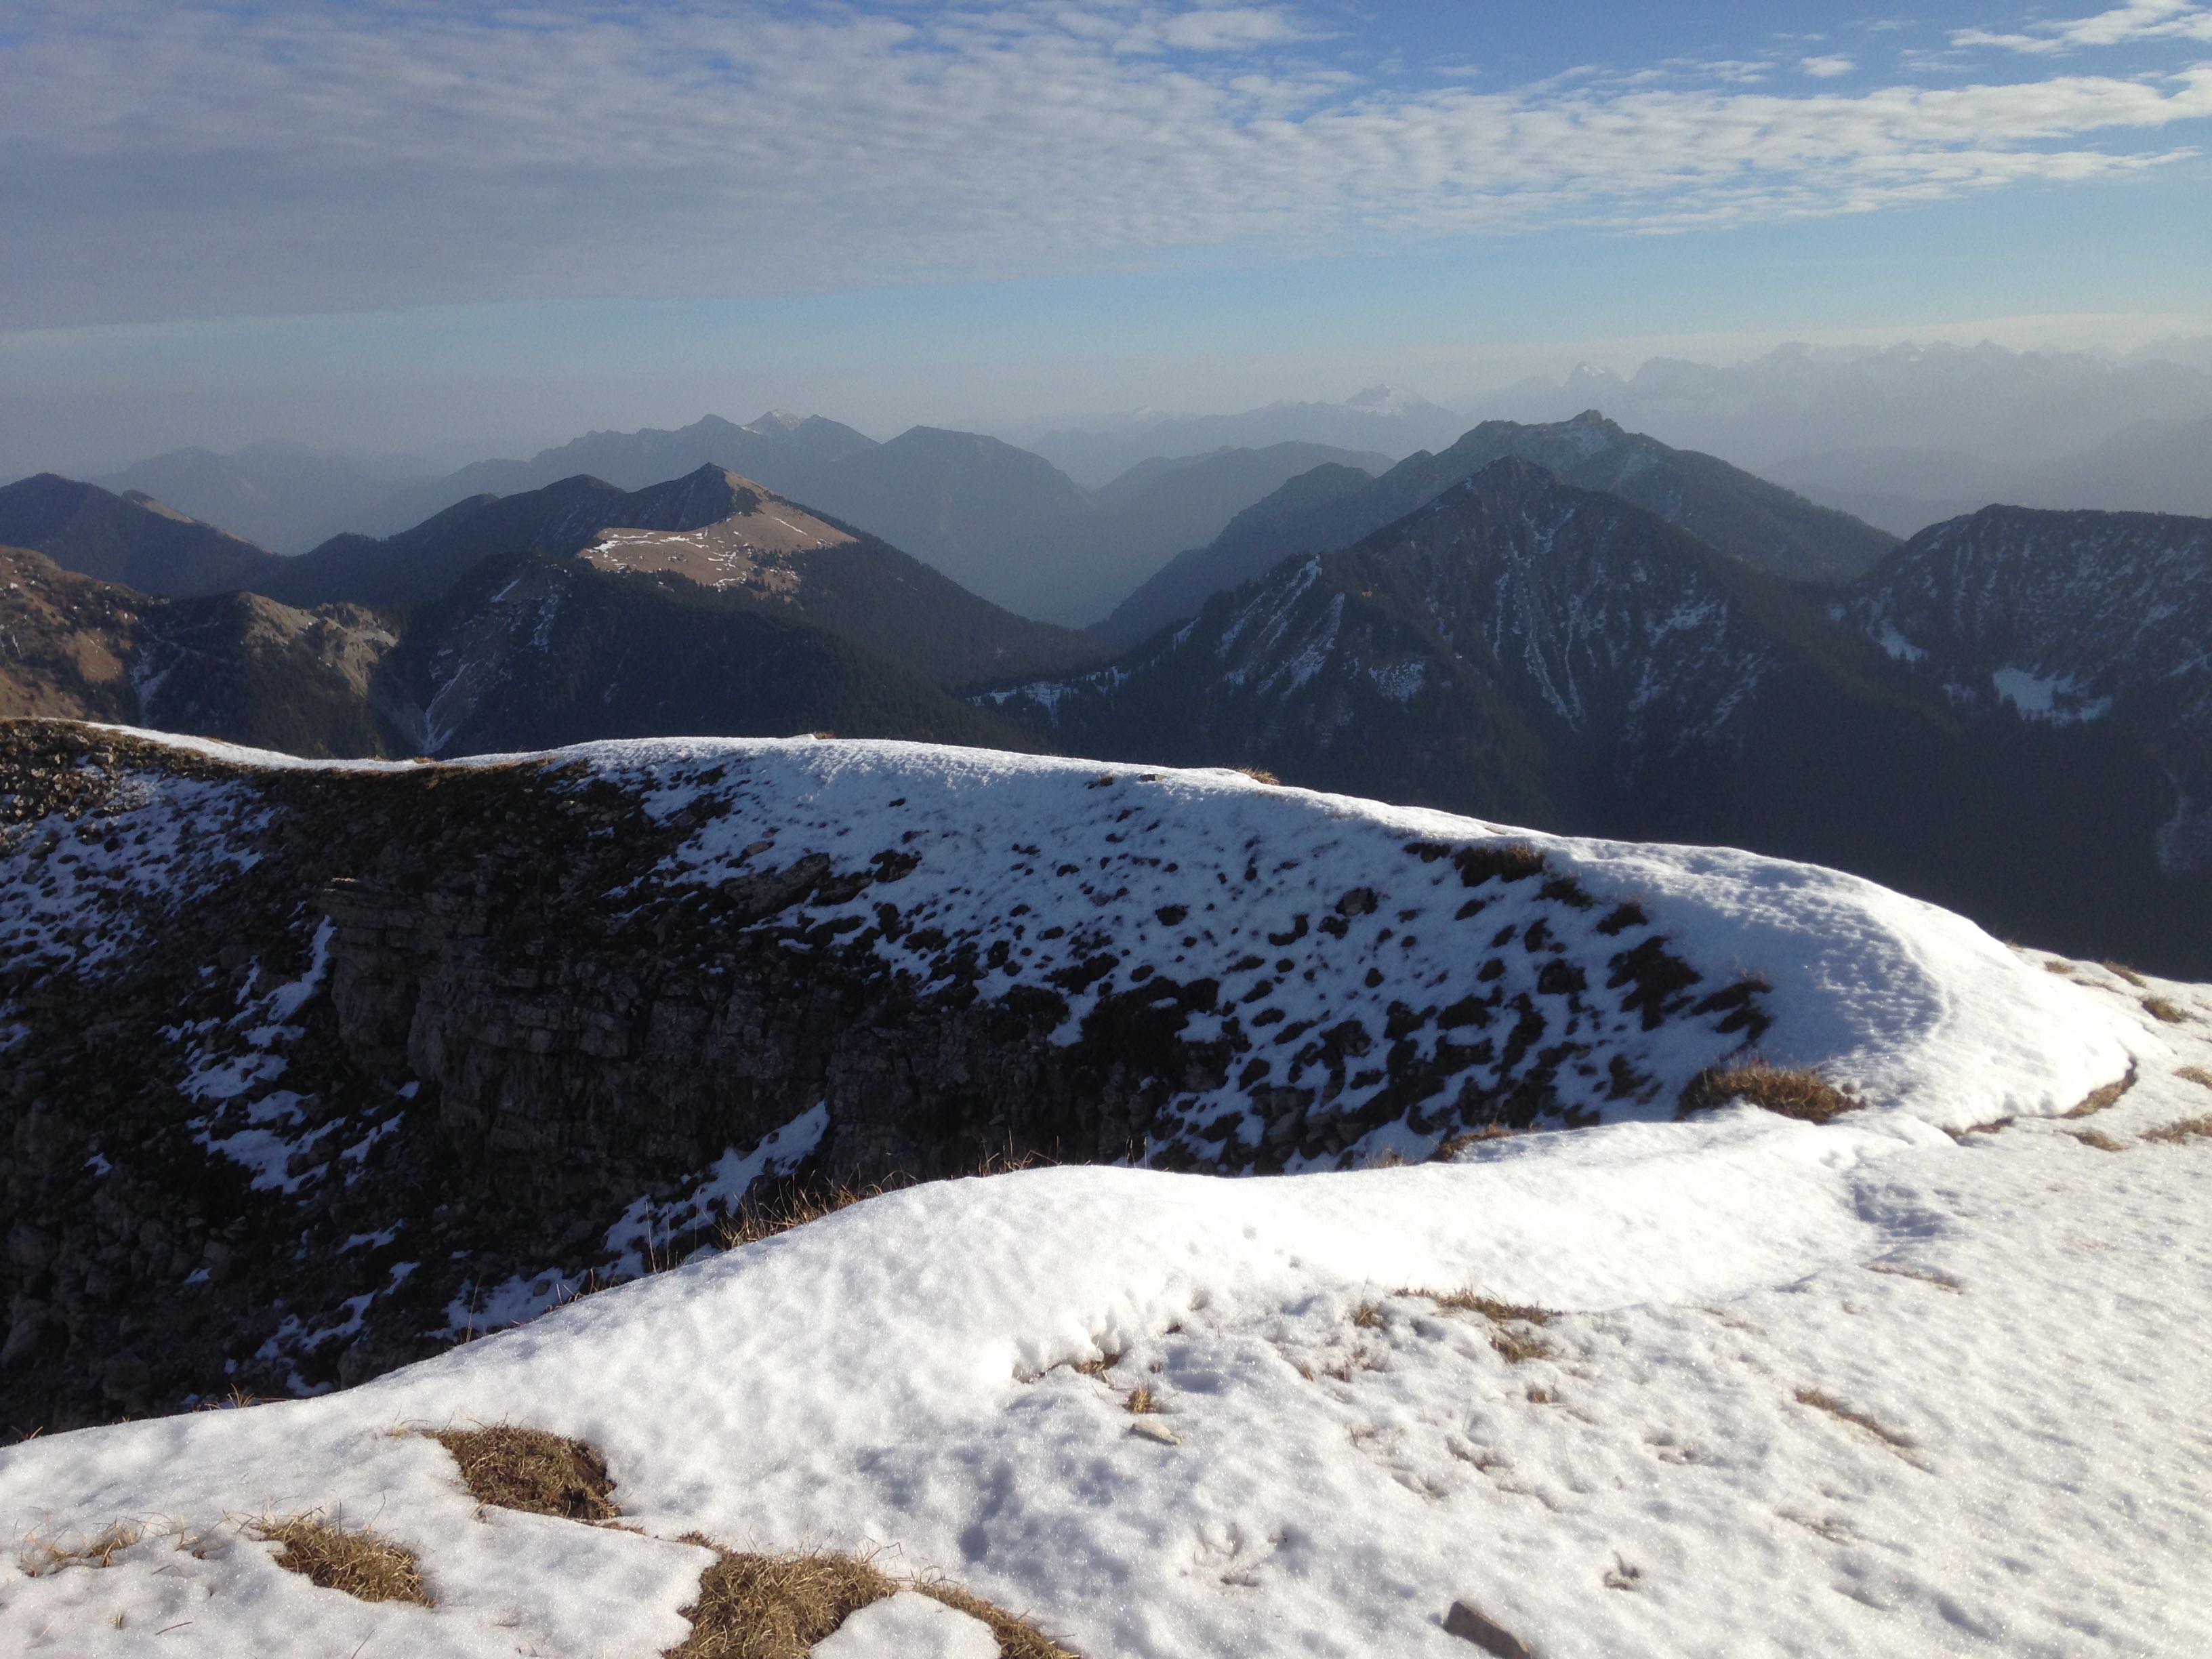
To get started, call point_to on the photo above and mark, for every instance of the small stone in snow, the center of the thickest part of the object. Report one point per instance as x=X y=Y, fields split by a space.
x=1153 y=1429
x=1464 y=1622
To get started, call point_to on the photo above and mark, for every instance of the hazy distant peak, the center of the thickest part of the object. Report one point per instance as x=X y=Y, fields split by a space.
x=778 y=420
x=1391 y=400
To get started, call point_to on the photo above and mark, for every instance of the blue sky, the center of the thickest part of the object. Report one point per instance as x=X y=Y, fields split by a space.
x=403 y=224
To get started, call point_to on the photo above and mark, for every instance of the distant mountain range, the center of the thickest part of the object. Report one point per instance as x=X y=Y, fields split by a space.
x=714 y=607
x=1381 y=419
x=998 y=519
x=1911 y=435
x=1744 y=517
x=1566 y=624
x=285 y=496
x=1529 y=651
x=2163 y=465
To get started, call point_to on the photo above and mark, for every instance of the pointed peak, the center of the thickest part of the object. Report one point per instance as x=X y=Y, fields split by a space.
x=778 y=420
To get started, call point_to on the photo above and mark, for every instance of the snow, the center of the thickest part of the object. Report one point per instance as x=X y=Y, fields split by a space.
x=1914 y=1382
x=1895 y=645
x=1847 y=1389
x=909 y=1626
x=2057 y=698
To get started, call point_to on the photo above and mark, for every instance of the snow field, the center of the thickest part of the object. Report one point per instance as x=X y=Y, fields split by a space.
x=1860 y=1389
x=1894 y=1385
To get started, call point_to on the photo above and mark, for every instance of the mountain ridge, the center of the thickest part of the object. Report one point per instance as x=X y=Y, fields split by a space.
x=1741 y=514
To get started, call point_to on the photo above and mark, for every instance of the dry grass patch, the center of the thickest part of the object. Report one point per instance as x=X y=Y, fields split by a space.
x=1513 y=1347
x=2196 y=1074
x=363 y=1564
x=1259 y=774
x=2190 y=1128
x=2098 y=1099
x=40 y=1555
x=778 y=1607
x=2121 y=970
x=1141 y=1401
x=1452 y=1145
x=1789 y=1091
x=2166 y=1013
x=2103 y=1142
x=1836 y=1408
x=528 y=1470
x=793 y=1207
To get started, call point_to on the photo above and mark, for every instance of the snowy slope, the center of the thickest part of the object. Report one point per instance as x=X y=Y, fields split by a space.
x=1850 y=1389
x=1911 y=1382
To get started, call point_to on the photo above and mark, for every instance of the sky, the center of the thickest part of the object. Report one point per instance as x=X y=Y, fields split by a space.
x=466 y=229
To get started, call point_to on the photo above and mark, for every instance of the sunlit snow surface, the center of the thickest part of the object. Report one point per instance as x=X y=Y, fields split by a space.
x=1865 y=1388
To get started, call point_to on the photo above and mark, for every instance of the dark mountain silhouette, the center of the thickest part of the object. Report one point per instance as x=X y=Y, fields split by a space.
x=1378 y=420
x=1747 y=518
x=132 y=539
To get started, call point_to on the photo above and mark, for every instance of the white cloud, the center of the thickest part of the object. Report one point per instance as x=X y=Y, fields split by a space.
x=1826 y=69
x=2140 y=20
x=175 y=157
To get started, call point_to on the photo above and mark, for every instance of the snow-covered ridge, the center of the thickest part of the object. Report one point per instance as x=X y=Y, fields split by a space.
x=1358 y=952
x=1934 y=1386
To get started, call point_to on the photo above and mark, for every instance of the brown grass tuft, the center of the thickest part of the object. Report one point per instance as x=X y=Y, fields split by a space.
x=1513 y=1347
x=2169 y=1013
x=1141 y=1401
x=775 y=1606
x=2123 y=972
x=1452 y=1145
x=2098 y=1139
x=1368 y=1316
x=528 y=1470
x=2190 y=1128
x=792 y=1207
x=2102 y=1097
x=778 y=1607
x=1790 y=1092
x=1017 y=1638
x=365 y=1565
x=1836 y=1407
x=2196 y=1074
x=40 y=1555
x=1259 y=775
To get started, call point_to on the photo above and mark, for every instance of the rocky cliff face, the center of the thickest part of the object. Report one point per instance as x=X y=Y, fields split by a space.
x=315 y=1070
